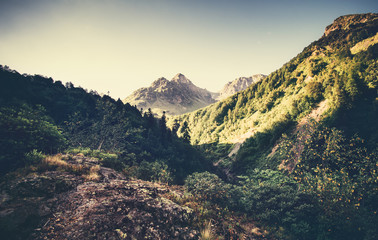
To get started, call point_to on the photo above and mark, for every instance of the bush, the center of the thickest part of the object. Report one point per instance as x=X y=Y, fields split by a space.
x=269 y=196
x=34 y=157
x=342 y=175
x=24 y=129
x=275 y=200
x=154 y=171
x=208 y=186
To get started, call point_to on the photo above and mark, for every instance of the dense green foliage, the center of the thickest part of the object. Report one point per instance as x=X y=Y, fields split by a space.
x=268 y=196
x=331 y=193
x=343 y=175
x=155 y=171
x=325 y=75
x=42 y=114
x=23 y=130
x=301 y=179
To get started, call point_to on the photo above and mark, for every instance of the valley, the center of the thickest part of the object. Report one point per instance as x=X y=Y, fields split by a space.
x=292 y=155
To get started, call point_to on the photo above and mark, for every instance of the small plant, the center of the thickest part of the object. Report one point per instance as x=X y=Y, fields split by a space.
x=93 y=173
x=34 y=157
x=55 y=161
x=206 y=233
x=208 y=186
x=155 y=171
x=78 y=169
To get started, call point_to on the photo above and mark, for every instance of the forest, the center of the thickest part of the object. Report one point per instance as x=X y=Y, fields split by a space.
x=309 y=170
x=40 y=115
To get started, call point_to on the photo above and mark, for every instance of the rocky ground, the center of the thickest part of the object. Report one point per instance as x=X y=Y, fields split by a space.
x=64 y=204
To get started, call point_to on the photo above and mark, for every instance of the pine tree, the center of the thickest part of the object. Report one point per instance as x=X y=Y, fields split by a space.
x=176 y=126
x=185 y=132
x=163 y=126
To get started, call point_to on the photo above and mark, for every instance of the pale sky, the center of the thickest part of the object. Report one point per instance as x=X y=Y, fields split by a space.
x=121 y=45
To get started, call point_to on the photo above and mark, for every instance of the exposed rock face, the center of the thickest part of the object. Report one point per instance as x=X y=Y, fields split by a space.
x=175 y=97
x=238 y=85
x=180 y=95
x=61 y=205
x=350 y=21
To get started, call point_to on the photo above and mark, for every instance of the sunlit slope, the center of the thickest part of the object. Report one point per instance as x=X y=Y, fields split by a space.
x=339 y=70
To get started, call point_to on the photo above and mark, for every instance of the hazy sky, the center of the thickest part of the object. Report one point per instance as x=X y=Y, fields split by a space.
x=121 y=45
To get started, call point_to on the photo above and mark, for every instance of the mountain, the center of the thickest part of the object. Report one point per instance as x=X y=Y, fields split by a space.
x=238 y=85
x=293 y=156
x=293 y=91
x=333 y=80
x=180 y=95
x=308 y=131
x=176 y=96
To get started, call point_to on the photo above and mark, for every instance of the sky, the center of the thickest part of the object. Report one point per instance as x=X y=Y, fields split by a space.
x=118 y=46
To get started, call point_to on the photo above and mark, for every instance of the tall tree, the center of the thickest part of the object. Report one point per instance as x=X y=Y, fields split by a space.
x=185 y=132
x=163 y=126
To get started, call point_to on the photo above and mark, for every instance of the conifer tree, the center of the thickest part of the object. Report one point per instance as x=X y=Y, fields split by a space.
x=185 y=132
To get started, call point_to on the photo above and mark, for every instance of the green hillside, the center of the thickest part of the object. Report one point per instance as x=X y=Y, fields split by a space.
x=299 y=148
x=326 y=77
x=40 y=115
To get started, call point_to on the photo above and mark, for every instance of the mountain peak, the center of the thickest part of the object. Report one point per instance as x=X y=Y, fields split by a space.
x=180 y=78
x=175 y=97
x=238 y=85
x=348 y=21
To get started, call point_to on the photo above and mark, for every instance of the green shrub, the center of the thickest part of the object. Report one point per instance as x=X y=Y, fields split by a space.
x=24 y=129
x=208 y=186
x=342 y=175
x=34 y=157
x=266 y=195
x=275 y=200
x=154 y=171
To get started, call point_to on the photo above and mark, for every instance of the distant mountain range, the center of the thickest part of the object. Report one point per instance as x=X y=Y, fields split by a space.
x=180 y=95
x=238 y=85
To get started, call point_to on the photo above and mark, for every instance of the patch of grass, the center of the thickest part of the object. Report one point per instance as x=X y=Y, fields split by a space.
x=55 y=160
x=206 y=232
x=93 y=174
x=92 y=153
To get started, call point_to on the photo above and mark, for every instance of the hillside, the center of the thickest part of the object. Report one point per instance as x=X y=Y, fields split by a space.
x=72 y=196
x=39 y=114
x=326 y=71
x=175 y=97
x=59 y=203
x=303 y=141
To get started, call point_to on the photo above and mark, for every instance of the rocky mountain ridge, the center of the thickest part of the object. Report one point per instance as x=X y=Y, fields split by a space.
x=180 y=95
x=176 y=96
x=239 y=84
x=346 y=22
